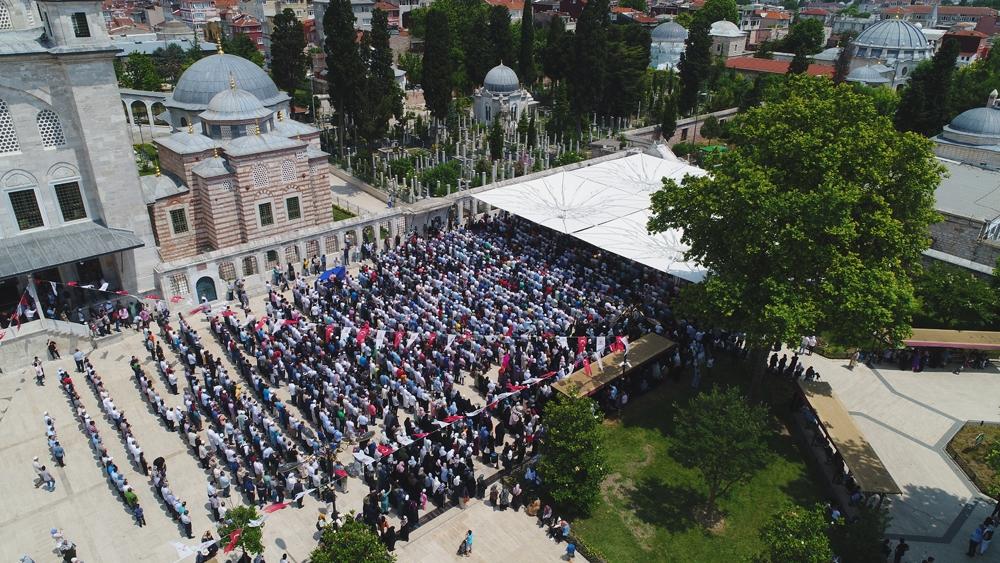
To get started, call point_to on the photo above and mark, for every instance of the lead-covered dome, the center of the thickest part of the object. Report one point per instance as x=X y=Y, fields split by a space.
x=892 y=34
x=669 y=32
x=234 y=104
x=978 y=121
x=501 y=78
x=211 y=75
x=725 y=28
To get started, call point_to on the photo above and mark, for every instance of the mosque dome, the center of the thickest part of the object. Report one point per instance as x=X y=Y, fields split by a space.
x=211 y=75
x=725 y=28
x=669 y=32
x=867 y=75
x=892 y=34
x=984 y=121
x=234 y=104
x=501 y=78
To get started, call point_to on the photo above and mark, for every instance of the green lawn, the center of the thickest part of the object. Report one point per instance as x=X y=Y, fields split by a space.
x=645 y=512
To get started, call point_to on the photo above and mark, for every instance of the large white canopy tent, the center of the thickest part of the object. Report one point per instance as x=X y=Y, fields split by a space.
x=606 y=205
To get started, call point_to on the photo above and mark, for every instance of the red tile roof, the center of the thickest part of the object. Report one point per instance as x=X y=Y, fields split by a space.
x=966 y=33
x=512 y=5
x=771 y=66
x=814 y=12
x=386 y=6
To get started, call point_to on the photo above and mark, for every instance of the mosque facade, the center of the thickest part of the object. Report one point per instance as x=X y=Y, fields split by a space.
x=886 y=53
x=71 y=209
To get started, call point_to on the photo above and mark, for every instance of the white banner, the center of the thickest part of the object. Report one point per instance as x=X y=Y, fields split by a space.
x=563 y=341
x=411 y=339
x=600 y=344
x=344 y=333
x=379 y=339
x=451 y=338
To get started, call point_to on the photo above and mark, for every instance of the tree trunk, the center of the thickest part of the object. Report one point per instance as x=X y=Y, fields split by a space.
x=341 y=131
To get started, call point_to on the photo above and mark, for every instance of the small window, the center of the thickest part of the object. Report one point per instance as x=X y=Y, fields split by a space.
x=8 y=136
x=293 y=209
x=227 y=271
x=26 y=210
x=80 y=27
x=684 y=134
x=287 y=171
x=266 y=214
x=249 y=265
x=70 y=201
x=259 y=176
x=271 y=257
x=178 y=221
x=5 y=22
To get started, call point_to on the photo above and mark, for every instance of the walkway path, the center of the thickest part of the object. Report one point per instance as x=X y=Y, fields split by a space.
x=909 y=418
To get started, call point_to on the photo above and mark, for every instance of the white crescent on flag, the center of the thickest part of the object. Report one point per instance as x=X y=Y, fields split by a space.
x=563 y=341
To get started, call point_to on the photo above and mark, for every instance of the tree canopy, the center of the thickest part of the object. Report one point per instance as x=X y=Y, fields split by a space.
x=796 y=534
x=953 y=297
x=924 y=104
x=815 y=219
x=354 y=541
x=343 y=62
x=251 y=538
x=526 y=53
x=138 y=72
x=437 y=67
x=242 y=46
x=288 y=44
x=722 y=436
x=573 y=463
x=804 y=35
x=382 y=99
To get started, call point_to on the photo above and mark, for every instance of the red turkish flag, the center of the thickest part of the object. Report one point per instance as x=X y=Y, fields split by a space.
x=363 y=334
x=196 y=310
x=72 y=284
x=510 y=330
x=398 y=339
x=581 y=344
x=586 y=366
x=176 y=299
x=234 y=537
x=275 y=507
x=329 y=332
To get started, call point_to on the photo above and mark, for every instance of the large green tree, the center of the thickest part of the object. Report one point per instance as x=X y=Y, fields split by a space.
x=573 y=464
x=500 y=37
x=626 y=61
x=526 y=54
x=972 y=84
x=438 y=80
x=353 y=541
x=139 y=72
x=288 y=57
x=496 y=139
x=343 y=62
x=796 y=534
x=242 y=46
x=382 y=98
x=924 y=104
x=815 y=219
x=478 y=52
x=805 y=35
x=557 y=47
x=668 y=117
x=587 y=73
x=953 y=297
x=696 y=63
x=170 y=62
x=251 y=539
x=723 y=436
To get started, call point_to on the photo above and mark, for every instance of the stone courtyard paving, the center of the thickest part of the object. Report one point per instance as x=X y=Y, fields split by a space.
x=86 y=507
x=909 y=418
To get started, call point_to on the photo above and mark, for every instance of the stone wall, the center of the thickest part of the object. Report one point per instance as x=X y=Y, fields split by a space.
x=960 y=236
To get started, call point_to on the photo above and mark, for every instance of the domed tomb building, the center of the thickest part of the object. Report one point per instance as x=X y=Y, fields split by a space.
x=236 y=169
x=973 y=137
x=666 y=45
x=890 y=49
x=501 y=95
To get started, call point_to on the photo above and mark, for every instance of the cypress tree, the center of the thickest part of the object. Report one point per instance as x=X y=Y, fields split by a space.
x=438 y=81
x=343 y=62
x=288 y=58
x=587 y=73
x=500 y=37
x=925 y=104
x=526 y=55
x=800 y=63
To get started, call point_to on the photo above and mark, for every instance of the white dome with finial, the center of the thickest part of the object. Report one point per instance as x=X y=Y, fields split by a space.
x=501 y=79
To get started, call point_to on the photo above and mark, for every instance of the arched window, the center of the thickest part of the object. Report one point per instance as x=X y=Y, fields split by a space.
x=249 y=265
x=259 y=176
x=5 y=22
x=50 y=129
x=8 y=136
x=287 y=171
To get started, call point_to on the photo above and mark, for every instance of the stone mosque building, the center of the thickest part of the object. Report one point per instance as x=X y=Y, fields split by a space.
x=886 y=53
x=236 y=170
x=501 y=95
x=69 y=209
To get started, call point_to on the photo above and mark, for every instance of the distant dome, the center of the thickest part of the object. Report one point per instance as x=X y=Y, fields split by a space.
x=234 y=104
x=981 y=121
x=669 y=32
x=210 y=75
x=892 y=34
x=725 y=28
x=867 y=75
x=501 y=79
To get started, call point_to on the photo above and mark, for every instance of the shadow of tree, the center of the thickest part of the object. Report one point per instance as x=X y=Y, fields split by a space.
x=664 y=504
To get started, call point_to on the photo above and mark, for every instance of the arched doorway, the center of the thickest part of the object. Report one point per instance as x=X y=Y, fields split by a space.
x=160 y=114
x=205 y=287
x=139 y=114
